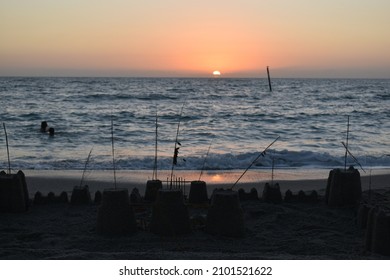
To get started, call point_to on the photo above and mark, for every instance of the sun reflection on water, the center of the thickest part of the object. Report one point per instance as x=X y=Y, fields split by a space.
x=216 y=178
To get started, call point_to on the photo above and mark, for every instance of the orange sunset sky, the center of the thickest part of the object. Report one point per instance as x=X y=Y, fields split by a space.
x=296 y=38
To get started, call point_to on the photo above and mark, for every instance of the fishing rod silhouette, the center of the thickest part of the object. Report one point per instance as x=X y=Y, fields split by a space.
x=261 y=154
x=352 y=156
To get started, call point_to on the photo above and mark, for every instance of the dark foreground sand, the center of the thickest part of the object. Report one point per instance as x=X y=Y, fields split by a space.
x=273 y=231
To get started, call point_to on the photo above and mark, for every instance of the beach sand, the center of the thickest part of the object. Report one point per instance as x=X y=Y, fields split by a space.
x=296 y=230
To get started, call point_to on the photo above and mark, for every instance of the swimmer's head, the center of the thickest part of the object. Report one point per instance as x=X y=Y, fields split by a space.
x=43 y=126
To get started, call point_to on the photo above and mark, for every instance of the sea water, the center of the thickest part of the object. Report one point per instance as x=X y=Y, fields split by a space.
x=236 y=118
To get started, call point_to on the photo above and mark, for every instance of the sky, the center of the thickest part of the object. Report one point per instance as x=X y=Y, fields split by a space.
x=193 y=38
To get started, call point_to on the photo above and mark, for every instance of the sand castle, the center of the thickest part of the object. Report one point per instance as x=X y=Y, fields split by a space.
x=301 y=196
x=271 y=193
x=98 y=197
x=40 y=199
x=373 y=217
x=225 y=216
x=14 y=195
x=80 y=195
x=170 y=215
x=198 y=192
x=343 y=187
x=152 y=188
x=251 y=195
x=115 y=214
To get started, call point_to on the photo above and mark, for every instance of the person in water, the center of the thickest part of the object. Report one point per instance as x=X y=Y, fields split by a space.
x=51 y=131
x=46 y=128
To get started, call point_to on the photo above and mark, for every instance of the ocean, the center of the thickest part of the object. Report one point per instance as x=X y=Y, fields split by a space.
x=225 y=123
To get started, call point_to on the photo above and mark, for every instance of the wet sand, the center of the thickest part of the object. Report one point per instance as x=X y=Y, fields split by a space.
x=57 y=181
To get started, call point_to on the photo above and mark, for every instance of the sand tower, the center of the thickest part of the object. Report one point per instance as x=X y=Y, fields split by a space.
x=198 y=192
x=288 y=196
x=271 y=193
x=377 y=238
x=370 y=226
x=80 y=195
x=225 y=216
x=39 y=198
x=98 y=197
x=13 y=192
x=170 y=215
x=152 y=188
x=381 y=233
x=343 y=187
x=115 y=215
x=251 y=195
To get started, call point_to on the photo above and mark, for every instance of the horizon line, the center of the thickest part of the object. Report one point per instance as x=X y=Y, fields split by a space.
x=188 y=77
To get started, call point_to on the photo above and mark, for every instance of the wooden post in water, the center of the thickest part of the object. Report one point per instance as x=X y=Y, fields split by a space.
x=269 y=79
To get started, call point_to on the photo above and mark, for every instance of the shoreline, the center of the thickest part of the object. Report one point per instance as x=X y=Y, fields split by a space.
x=308 y=179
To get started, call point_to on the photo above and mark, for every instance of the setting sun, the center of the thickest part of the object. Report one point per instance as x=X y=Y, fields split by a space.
x=216 y=73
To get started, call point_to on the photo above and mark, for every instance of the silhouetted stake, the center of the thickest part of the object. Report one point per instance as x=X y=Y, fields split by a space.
x=6 y=142
x=154 y=177
x=347 y=151
x=261 y=154
x=346 y=147
x=85 y=166
x=204 y=162
x=176 y=149
x=269 y=79
x=113 y=150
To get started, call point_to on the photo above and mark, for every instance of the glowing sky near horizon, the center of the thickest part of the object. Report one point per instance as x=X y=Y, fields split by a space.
x=300 y=38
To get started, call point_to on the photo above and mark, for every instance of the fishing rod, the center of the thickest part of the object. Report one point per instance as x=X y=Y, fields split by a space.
x=349 y=152
x=85 y=167
x=272 y=173
x=176 y=149
x=113 y=150
x=6 y=142
x=261 y=154
x=154 y=177
x=346 y=147
x=204 y=162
